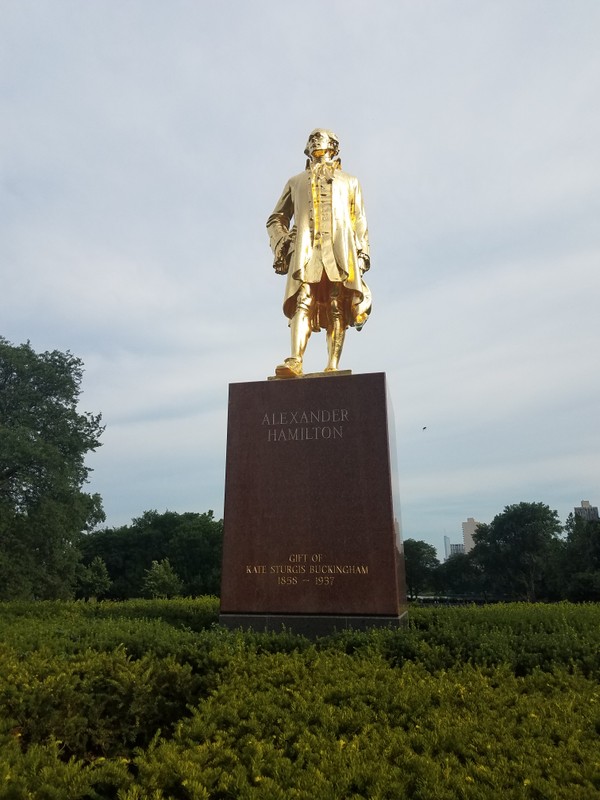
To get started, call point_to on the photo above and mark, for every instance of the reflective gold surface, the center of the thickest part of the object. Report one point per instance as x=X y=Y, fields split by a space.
x=318 y=234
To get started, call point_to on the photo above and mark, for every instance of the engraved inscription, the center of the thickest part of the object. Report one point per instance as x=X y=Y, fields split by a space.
x=306 y=568
x=303 y=426
x=256 y=569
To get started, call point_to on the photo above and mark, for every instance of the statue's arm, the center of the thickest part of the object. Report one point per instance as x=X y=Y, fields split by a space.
x=278 y=224
x=361 y=230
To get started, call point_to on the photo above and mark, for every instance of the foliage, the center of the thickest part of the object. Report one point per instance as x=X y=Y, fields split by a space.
x=44 y=440
x=191 y=542
x=514 y=550
x=582 y=559
x=161 y=580
x=94 y=580
x=124 y=700
x=329 y=725
x=519 y=555
x=421 y=562
x=460 y=576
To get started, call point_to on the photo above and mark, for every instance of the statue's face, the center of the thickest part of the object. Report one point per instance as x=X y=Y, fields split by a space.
x=319 y=142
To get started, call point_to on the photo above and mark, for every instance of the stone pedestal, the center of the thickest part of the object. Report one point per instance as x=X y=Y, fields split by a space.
x=311 y=541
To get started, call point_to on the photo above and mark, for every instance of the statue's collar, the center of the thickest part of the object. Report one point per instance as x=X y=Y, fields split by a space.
x=324 y=169
x=318 y=166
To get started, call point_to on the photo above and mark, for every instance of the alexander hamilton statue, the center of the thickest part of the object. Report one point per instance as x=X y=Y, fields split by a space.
x=324 y=253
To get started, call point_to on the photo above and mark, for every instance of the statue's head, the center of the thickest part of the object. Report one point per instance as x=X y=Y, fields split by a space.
x=320 y=141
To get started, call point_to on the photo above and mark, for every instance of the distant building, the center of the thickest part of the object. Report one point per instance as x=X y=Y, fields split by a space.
x=447 y=547
x=468 y=529
x=586 y=511
x=452 y=549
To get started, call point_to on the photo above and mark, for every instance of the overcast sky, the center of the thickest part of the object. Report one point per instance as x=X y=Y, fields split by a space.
x=143 y=145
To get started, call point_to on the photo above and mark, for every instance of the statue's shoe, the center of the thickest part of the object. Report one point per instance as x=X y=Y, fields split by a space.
x=291 y=368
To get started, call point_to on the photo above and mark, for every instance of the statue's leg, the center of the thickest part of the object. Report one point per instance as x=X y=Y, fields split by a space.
x=336 y=329
x=300 y=325
x=300 y=329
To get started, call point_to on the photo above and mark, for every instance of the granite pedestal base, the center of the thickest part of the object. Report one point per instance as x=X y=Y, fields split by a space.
x=311 y=540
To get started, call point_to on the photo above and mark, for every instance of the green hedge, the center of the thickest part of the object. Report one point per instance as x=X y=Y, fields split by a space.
x=331 y=726
x=151 y=700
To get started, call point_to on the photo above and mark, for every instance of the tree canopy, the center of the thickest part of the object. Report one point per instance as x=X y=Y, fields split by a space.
x=516 y=548
x=581 y=562
x=191 y=542
x=44 y=440
x=421 y=562
x=460 y=576
x=162 y=581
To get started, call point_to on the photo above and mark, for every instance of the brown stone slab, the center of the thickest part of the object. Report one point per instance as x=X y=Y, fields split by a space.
x=312 y=625
x=309 y=523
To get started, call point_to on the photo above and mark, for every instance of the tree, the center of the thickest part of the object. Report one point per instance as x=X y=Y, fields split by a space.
x=128 y=551
x=459 y=576
x=582 y=559
x=517 y=548
x=192 y=542
x=94 y=581
x=161 y=580
x=421 y=563
x=44 y=440
x=195 y=549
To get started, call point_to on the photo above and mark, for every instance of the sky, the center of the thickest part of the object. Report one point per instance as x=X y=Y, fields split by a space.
x=143 y=145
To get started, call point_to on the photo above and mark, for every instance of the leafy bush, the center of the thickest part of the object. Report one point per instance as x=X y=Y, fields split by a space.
x=151 y=700
x=95 y=704
x=331 y=726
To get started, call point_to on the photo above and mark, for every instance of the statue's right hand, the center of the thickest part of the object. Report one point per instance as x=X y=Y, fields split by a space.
x=281 y=263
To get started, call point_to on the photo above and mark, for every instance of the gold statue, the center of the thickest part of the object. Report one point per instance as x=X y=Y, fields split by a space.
x=324 y=254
